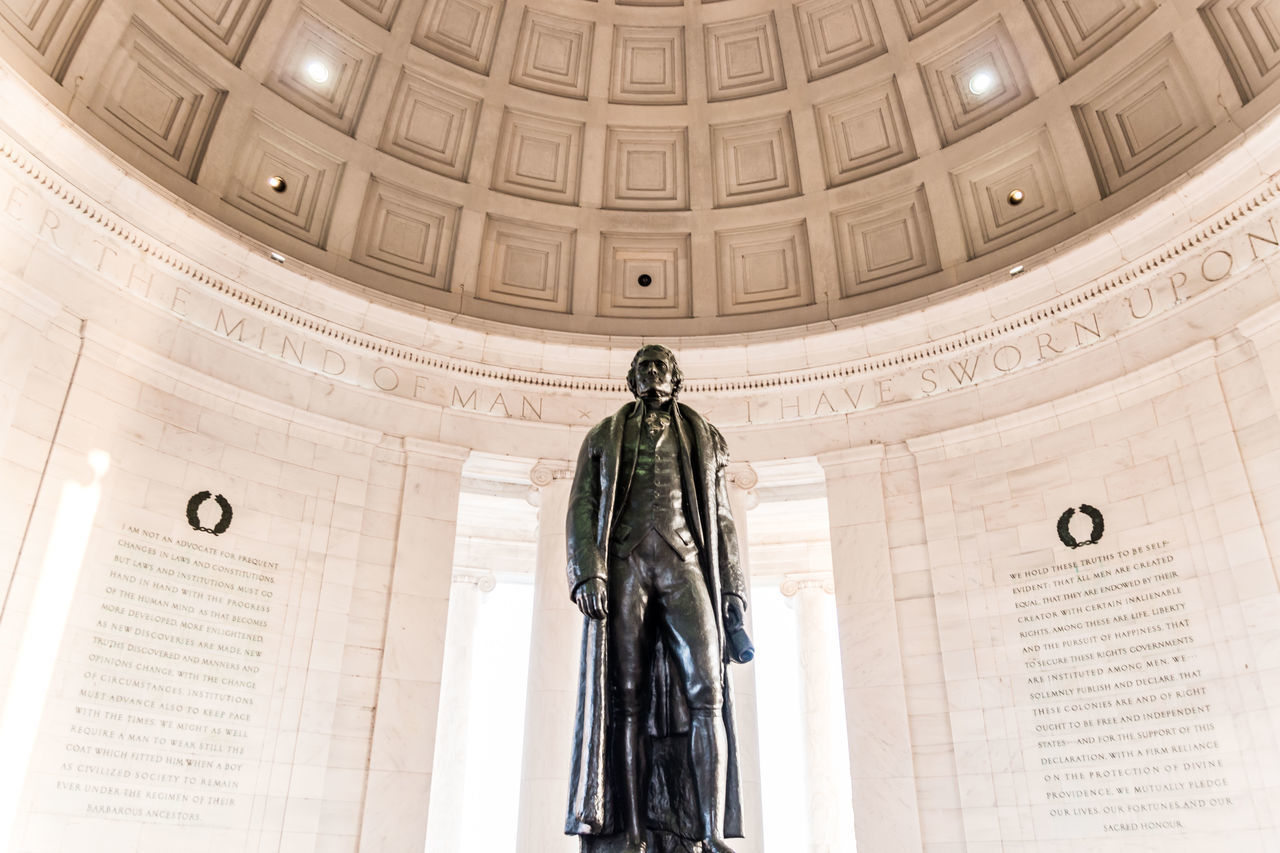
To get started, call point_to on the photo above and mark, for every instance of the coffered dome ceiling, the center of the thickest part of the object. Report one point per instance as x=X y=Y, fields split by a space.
x=655 y=166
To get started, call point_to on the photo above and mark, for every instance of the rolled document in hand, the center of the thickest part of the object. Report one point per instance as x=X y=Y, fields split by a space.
x=741 y=649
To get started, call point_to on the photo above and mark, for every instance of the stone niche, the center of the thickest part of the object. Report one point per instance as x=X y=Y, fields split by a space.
x=232 y=486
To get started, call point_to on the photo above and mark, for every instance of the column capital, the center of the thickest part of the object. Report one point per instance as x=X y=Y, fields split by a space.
x=792 y=584
x=483 y=580
x=742 y=475
x=865 y=459
x=742 y=478
x=544 y=473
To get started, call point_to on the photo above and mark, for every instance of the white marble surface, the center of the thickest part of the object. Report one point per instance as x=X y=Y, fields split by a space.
x=554 y=647
x=742 y=479
x=445 y=829
x=829 y=795
x=111 y=340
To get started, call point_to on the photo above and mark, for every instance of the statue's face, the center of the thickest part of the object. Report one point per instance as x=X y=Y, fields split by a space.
x=653 y=377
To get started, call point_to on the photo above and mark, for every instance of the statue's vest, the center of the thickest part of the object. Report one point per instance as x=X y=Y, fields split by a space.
x=654 y=498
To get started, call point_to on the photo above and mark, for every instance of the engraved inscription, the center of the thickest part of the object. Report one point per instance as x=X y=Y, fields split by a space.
x=1120 y=723
x=170 y=692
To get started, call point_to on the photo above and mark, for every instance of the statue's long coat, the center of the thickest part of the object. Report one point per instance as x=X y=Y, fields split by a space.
x=592 y=514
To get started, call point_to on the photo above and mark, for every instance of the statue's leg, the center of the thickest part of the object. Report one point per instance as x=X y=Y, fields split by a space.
x=695 y=645
x=707 y=750
x=628 y=604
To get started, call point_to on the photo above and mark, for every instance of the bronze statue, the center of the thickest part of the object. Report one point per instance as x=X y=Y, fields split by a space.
x=653 y=565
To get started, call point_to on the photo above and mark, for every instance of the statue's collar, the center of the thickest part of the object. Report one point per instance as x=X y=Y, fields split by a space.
x=638 y=408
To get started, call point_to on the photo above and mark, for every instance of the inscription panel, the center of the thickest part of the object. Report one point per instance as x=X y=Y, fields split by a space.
x=1120 y=706
x=160 y=711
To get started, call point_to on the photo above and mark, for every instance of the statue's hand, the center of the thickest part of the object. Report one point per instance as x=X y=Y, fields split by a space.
x=592 y=598
x=734 y=608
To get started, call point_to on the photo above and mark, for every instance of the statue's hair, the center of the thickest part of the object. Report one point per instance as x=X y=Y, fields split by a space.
x=677 y=376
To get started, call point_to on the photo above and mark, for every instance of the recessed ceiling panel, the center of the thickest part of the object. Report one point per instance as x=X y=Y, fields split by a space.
x=226 y=26
x=158 y=100
x=322 y=70
x=1078 y=31
x=646 y=168
x=526 y=264
x=407 y=234
x=984 y=188
x=1143 y=116
x=754 y=161
x=553 y=54
x=644 y=275
x=48 y=32
x=1247 y=33
x=836 y=35
x=381 y=12
x=743 y=58
x=538 y=157
x=284 y=181
x=648 y=66
x=975 y=82
x=431 y=124
x=461 y=31
x=764 y=268
x=885 y=241
x=864 y=133
x=920 y=16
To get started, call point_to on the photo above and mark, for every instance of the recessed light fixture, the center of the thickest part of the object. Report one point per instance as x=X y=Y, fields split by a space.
x=277 y=183
x=981 y=82
x=644 y=279
x=1017 y=197
x=318 y=71
x=1018 y=270
x=277 y=257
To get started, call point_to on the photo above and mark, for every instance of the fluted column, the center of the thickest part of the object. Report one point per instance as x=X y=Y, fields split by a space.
x=449 y=770
x=828 y=793
x=554 y=645
x=742 y=480
x=398 y=793
x=885 y=810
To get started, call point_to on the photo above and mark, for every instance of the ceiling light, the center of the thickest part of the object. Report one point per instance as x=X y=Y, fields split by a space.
x=319 y=72
x=981 y=82
x=644 y=280
x=1016 y=197
x=277 y=183
x=277 y=257
x=1018 y=270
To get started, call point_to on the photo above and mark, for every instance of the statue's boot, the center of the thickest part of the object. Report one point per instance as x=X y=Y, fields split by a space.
x=708 y=752
x=632 y=763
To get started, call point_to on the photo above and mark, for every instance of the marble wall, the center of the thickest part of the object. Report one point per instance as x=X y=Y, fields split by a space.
x=1060 y=689
x=276 y=638
x=231 y=494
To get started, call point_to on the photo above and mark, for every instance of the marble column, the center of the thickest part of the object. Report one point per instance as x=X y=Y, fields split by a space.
x=742 y=480
x=398 y=793
x=449 y=774
x=885 y=809
x=829 y=796
x=554 y=646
